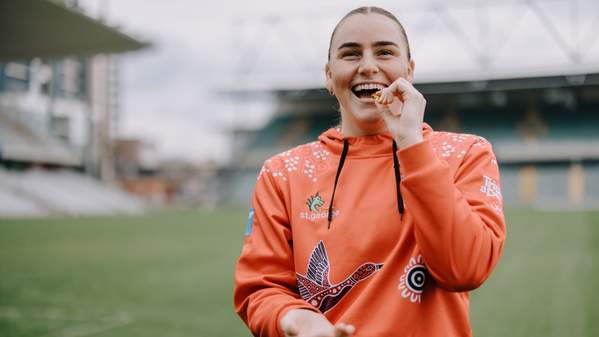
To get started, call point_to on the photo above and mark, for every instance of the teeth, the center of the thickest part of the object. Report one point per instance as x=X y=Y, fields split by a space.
x=369 y=86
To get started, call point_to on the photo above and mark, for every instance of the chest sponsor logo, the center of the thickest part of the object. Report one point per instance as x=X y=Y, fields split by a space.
x=315 y=202
x=317 y=209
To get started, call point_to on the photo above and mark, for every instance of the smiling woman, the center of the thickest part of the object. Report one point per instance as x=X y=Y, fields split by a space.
x=382 y=225
x=364 y=61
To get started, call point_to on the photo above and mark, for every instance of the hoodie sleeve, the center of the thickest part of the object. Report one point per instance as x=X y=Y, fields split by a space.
x=458 y=218
x=265 y=283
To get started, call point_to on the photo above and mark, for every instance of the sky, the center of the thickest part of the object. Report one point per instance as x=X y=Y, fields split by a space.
x=170 y=92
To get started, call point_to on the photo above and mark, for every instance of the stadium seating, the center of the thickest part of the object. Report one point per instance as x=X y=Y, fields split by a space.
x=271 y=133
x=38 y=192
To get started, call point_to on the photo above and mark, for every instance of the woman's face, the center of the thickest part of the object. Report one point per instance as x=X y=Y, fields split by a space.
x=368 y=52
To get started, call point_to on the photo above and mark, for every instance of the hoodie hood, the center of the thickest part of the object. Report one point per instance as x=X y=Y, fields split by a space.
x=363 y=146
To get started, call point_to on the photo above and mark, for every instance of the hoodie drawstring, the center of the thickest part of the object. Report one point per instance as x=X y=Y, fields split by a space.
x=339 y=168
x=400 y=205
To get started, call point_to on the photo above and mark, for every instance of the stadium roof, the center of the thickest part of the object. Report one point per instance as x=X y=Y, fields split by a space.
x=42 y=28
x=451 y=41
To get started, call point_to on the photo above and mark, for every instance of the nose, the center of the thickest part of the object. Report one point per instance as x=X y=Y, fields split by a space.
x=368 y=65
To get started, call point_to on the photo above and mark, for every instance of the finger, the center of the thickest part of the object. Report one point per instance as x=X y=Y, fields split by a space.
x=391 y=110
x=344 y=330
x=393 y=87
x=382 y=96
x=380 y=99
x=400 y=88
x=384 y=110
x=407 y=88
x=289 y=328
x=396 y=88
x=388 y=98
x=388 y=95
x=378 y=103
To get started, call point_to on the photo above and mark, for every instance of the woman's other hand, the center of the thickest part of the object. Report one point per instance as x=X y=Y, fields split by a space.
x=306 y=323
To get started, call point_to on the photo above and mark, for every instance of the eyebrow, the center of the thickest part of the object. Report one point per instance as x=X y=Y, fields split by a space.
x=376 y=44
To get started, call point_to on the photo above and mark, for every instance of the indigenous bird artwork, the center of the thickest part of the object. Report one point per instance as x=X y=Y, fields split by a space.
x=315 y=287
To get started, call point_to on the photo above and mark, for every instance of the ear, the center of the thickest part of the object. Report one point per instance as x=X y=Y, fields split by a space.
x=328 y=76
x=411 y=68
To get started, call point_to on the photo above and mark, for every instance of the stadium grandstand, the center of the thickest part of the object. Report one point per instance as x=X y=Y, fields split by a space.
x=58 y=94
x=522 y=74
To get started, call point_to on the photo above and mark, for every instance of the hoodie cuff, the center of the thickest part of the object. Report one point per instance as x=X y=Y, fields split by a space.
x=417 y=156
x=299 y=304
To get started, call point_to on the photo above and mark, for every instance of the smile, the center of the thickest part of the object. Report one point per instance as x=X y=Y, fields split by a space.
x=365 y=90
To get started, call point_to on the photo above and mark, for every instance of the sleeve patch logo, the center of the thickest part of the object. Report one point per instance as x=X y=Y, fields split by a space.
x=490 y=188
x=250 y=224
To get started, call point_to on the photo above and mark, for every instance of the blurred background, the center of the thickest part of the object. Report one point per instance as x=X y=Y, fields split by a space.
x=131 y=134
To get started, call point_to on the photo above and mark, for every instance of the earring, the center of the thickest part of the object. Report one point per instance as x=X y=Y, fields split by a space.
x=331 y=93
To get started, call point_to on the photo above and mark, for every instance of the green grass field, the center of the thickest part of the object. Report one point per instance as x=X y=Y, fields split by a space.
x=170 y=274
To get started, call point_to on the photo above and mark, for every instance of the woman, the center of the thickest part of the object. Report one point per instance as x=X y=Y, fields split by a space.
x=382 y=226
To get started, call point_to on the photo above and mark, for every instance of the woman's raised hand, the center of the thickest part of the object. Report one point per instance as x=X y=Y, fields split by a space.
x=402 y=107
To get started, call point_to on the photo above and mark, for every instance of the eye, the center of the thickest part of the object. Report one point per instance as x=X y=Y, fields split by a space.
x=386 y=52
x=350 y=54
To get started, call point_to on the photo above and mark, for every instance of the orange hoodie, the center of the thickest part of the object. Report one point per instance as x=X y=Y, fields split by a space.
x=400 y=252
